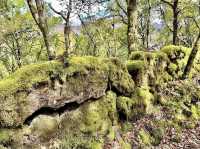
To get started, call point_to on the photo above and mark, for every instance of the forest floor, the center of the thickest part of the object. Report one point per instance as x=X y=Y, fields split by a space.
x=187 y=138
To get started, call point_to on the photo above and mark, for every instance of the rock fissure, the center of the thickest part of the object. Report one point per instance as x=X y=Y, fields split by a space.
x=52 y=111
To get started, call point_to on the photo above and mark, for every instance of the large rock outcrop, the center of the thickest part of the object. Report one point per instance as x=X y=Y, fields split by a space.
x=82 y=106
x=42 y=99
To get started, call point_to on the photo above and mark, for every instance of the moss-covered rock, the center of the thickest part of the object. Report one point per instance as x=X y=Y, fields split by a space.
x=148 y=68
x=44 y=126
x=136 y=106
x=86 y=126
x=119 y=78
x=155 y=68
x=178 y=56
x=50 y=85
x=94 y=120
x=93 y=117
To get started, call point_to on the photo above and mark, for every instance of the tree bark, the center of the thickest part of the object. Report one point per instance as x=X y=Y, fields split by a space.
x=67 y=29
x=41 y=21
x=132 y=26
x=175 y=21
x=148 y=24
x=174 y=7
x=191 y=58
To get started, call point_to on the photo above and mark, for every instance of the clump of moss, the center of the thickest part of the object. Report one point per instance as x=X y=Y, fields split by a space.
x=44 y=126
x=81 y=142
x=178 y=56
x=144 y=100
x=136 y=106
x=148 y=68
x=25 y=77
x=5 y=136
x=126 y=105
x=94 y=118
x=157 y=135
x=133 y=65
x=119 y=77
x=144 y=137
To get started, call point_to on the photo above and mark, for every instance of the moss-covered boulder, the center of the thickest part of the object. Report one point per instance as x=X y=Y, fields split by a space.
x=154 y=68
x=178 y=56
x=45 y=101
x=139 y=104
x=148 y=68
x=84 y=127
x=50 y=85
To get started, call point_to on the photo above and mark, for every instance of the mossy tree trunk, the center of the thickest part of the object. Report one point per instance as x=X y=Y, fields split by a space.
x=132 y=26
x=191 y=57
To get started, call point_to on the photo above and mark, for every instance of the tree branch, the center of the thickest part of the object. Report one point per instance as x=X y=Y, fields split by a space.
x=166 y=2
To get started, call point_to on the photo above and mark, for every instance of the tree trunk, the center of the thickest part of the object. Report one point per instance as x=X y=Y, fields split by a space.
x=132 y=26
x=148 y=24
x=175 y=21
x=191 y=57
x=41 y=20
x=67 y=40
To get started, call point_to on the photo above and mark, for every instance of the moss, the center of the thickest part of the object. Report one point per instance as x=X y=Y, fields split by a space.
x=195 y=112
x=5 y=136
x=176 y=51
x=44 y=126
x=144 y=99
x=111 y=134
x=138 y=55
x=172 y=69
x=148 y=68
x=124 y=144
x=135 y=65
x=138 y=105
x=94 y=118
x=137 y=69
x=85 y=64
x=27 y=76
x=119 y=77
x=178 y=55
x=80 y=142
x=99 y=116
x=147 y=56
x=144 y=137
x=126 y=106
x=157 y=135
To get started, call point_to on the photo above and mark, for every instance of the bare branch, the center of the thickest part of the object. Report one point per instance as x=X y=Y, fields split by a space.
x=168 y=3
